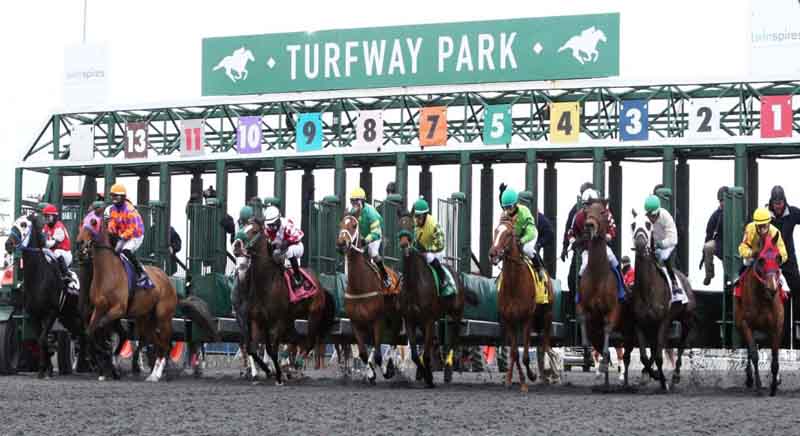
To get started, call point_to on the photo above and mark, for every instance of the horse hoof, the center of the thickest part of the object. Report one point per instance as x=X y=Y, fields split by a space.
x=532 y=376
x=448 y=374
x=748 y=383
x=40 y=375
x=429 y=385
x=278 y=383
x=523 y=388
x=101 y=378
x=152 y=379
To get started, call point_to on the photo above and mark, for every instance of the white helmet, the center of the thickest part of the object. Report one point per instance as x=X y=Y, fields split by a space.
x=272 y=215
x=589 y=195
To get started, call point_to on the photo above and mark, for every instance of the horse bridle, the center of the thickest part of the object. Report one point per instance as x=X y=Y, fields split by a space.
x=501 y=252
x=352 y=237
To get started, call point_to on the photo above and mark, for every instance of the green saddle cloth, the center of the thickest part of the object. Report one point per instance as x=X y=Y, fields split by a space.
x=448 y=290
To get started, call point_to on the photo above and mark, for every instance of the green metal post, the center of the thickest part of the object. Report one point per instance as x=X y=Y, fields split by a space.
x=615 y=202
x=279 y=190
x=401 y=177
x=56 y=137
x=740 y=166
x=57 y=188
x=752 y=185
x=222 y=204
x=426 y=183
x=599 y=169
x=551 y=212
x=108 y=180
x=250 y=185
x=733 y=227
x=17 y=192
x=465 y=186
x=487 y=202
x=668 y=174
x=365 y=181
x=165 y=198
x=306 y=198
x=88 y=192
x=143 y=189
x=532 y=176
x=682 y=212
x=340 y=181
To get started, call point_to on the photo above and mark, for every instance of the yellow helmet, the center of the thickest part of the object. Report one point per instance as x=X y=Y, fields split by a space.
x=358 y=194
x=761 y=216
x=118 y=189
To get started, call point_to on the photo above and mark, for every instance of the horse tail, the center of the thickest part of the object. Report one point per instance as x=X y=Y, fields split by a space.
x=563 y=47
x=198 y=312
x=221 y=64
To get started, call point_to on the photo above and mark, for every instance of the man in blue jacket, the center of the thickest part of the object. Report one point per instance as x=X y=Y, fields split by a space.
x=713 y=243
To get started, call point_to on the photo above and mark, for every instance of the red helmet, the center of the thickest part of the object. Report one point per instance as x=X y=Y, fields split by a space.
x=50 y=210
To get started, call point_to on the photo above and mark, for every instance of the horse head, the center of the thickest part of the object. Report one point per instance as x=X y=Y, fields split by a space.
x=642 y=230
x=406 y=234
x=767 y=265
x=348 y=233
x=596 y=224
x=93 y=232
x=503 y=240
x=19 y=235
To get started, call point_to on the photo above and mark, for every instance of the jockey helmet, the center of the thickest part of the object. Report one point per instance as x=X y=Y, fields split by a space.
x=358 y=194
x=421 y=207
x=272 y=215
x=118 y=189
x=98 y=204
x=585 y=186
x=245 y=213
x=761 y=216
x=509 y=198
x=589 y=195
x=50 y=210
x=652 y=204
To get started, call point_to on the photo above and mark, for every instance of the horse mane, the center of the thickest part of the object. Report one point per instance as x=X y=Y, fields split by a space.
x=35 y=239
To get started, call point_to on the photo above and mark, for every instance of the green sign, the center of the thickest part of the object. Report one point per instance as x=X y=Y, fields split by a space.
x=523 y=49
x=497 y=124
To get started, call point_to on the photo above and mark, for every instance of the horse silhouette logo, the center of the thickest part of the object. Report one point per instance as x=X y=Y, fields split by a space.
x=236 y=64
x=584 y=46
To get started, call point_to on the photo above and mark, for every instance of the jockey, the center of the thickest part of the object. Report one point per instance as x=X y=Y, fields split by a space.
x=58 y=241
x=628 y=273
x=370 y=227
x=665 y=236
x=125 y=222
x=285 y=237
x=98 y=208
x=753 y=233
x=429 y=238
x=524 y=226
x=589 y=196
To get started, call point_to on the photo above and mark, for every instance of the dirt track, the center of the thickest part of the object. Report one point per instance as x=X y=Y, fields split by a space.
x=324 y=403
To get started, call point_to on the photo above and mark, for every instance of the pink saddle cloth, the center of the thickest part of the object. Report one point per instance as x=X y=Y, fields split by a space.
x=306 y=290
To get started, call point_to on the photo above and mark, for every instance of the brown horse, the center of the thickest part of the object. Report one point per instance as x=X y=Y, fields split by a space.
x=516 y=299
x=760 y=307
x=598 y=285
x=652 y=309
x=270 y=312
x=366 y=302
x=421 y=306
x=152 y=309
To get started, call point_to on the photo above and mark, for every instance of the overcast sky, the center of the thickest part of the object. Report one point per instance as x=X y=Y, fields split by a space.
x=156 y=49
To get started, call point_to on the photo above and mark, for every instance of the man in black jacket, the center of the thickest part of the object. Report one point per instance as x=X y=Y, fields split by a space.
x=785 y=218
x=713 y=243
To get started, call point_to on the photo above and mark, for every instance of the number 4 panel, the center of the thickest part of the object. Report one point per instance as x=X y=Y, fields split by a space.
x=565 y=123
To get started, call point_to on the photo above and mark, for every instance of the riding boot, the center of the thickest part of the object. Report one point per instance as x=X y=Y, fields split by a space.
x=437 y=265
x=135 y=262
x=671 y=272
x=297 y=278
x=538 y=265
x=384 y=274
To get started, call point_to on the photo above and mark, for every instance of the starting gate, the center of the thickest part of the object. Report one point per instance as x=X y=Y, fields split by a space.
x=323 y=218
x=206 y=238
x=154 y=249
x=388 y=210
x=451 y=211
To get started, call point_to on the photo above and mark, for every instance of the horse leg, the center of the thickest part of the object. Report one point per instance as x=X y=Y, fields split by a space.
x=42 y=329
x=676 y=375
x=658 y=354
x=510 y=341
x=377 y=352
x=523 y=386
x=776 y=343
x=752 y=356
x=626 y=359
x=411 y=333
x=359 y=331
x=427 y=354
x=606 y=354
x=526 y=354
x=646 y=361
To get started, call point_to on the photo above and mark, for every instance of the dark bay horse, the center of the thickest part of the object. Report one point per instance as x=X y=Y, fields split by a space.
x=760 y=307
x=152 y=309
x=421 y=306
x=270 y=312
x=651 y=306
x=366 y=302
x=516 y=299
x=598 y=285
x=45 y=298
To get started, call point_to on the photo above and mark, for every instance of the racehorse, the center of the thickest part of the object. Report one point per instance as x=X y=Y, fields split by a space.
x=651 y=305
x=516 y=298
x=365 y=301
x=421 y=306
x=271 y=312
x=152 y=309
x=760 y=307
x=598 y=286
x=45 y=296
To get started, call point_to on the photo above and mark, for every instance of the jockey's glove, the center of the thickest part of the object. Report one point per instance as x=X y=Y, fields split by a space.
x=660 y=244
x=50 y=243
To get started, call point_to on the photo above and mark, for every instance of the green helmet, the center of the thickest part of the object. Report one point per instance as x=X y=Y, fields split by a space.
x=245 y=213
x=98 y=204
x=652 y=204
x=421 y=207
x=509 y=198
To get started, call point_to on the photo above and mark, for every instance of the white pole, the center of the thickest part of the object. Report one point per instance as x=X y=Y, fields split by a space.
x=85 y=6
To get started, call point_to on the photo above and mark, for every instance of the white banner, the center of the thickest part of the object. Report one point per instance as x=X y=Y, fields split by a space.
x=775 y=38
x=81 y=147
x=86 y=74
x=192 y=138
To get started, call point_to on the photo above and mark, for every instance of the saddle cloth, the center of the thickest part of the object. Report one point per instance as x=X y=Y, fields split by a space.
x=306 y=290
x=450 y=288
x=620 y=287
x=74 y=286
x=540 y=293
x=394 y=279
x=134 y=281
